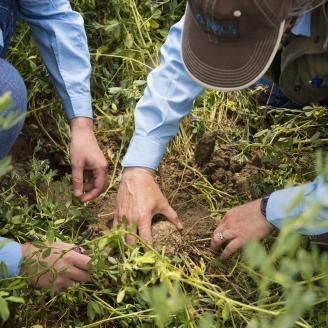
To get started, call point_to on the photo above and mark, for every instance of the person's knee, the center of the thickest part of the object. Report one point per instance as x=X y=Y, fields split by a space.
x=12 y=82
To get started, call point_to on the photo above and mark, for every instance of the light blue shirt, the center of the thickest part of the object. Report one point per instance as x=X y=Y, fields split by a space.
x=169 y=97
x=61 y=39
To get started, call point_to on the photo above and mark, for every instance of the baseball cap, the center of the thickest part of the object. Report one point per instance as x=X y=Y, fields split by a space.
x=230 y=44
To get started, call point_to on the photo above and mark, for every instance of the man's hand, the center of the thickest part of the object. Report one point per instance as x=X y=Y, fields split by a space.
x=239 y=225
x=139 y=199
x=89 y=166
x=66 y=266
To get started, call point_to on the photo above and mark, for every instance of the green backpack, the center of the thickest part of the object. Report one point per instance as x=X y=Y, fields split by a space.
x=301 y=66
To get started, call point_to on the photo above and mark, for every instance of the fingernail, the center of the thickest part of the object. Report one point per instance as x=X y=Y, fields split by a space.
x=180 y=226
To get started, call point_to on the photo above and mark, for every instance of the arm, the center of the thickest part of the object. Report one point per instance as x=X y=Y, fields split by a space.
x=60 y=36
x=316 y=192
x=167 y=99
x=246 y=222
x=76 y=264
x=61 y=39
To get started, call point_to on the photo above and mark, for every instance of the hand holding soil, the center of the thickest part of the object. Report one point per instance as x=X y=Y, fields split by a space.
x=61 y=268
x=240 y=225
x=139 y=199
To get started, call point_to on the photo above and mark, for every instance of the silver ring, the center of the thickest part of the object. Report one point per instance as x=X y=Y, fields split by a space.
x=221 y=237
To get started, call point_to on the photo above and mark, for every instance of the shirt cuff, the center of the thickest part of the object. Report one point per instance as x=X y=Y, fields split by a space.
x=79 y=106
x=10 y=256
x=144 y=152
x=287 y=204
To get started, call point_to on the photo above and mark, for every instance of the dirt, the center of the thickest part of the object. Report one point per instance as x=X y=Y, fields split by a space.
x=218 y=164
x=227 y=173
x=198 y=226
x=104 y=210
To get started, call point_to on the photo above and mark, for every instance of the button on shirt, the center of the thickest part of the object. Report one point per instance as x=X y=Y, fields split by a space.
x=61 y=39
x=169 y=97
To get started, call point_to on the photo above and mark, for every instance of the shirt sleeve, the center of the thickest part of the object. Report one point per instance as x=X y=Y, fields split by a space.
x=60 y=36
x=167 y=99
x=10 y=256
x=289 y=203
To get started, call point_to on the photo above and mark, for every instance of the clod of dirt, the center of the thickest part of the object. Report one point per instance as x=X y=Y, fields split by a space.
x=204 y=150
x=257 y=159
x=235 y=167
x=223 y=163
x=165 y=234
x=243 y=185
x=209 y=169
x=221 y=175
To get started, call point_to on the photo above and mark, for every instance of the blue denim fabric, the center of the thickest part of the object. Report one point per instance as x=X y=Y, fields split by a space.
x=273 y=96
x=8 y=14
x=10 y=79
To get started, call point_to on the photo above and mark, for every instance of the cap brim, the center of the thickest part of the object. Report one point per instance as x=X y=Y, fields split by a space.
x=227 y=65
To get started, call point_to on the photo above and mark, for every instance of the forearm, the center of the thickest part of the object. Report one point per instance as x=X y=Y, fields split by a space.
x=288 y=204
x=167 y=99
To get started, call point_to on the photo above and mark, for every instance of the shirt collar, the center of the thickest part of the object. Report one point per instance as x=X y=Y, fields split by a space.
x=303 y=25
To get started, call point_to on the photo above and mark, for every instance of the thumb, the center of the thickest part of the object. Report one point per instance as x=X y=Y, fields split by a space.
x=172 y=216
x=77 y=180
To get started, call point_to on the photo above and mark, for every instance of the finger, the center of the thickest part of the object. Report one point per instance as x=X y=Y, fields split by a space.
x=119 y=219
x=62 y=285
x=231 y=248
x=218 y=234
x=115 y=221
x=77 y=180
x=172 y=216
x=99 y=183
x=88 y=185
x=144 y=229
x=79 y=275
x=80 y=261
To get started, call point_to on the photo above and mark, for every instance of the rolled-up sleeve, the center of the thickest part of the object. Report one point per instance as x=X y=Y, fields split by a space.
x=60 y=36
x=167 y=99
x=287 y=204
x=10 y=256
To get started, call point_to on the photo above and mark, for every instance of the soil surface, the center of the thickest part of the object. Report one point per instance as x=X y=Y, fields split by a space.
x=217 y=164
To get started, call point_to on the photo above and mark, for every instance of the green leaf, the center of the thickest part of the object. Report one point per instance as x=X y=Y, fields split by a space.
x=120 y=296
x=4 y=309
x=102 y=243
x=46 y=253
x=50 y=236
x=60 y=221
x=15 y=299
x=226 y=311
x=90 y=311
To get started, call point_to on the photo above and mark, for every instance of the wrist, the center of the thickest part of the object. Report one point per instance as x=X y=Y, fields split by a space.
x=135 y=170
x=81 y=123
x=264 y=205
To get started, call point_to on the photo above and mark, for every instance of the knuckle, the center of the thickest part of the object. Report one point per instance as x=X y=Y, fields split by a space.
x=143 y=216
x=68 y=257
